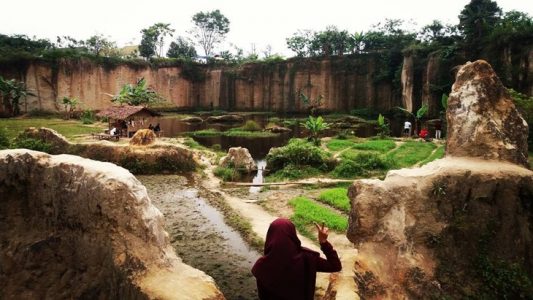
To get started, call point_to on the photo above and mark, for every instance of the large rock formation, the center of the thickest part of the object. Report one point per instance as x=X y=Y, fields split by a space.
x=73 y=228
x=459 y=227
x=482 y=119
x=155 y=158
x=240 y=159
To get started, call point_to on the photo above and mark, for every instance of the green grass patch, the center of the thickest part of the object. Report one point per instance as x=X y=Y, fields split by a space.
x=339 y=144
x=248 y=134
x=356 y=163
x=410 y=152
x=205 y=132
x=299 y=153
x=376 y=145
x=306 y=212
x=337 y=197
x=225 y=173
x=439 y=153
x=68 y=128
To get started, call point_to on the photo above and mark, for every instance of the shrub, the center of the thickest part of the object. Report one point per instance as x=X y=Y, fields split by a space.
x=216 y=147
x=251 y=125
x=298 y=153
x=291 y=172
x=348 y=169
x=87 y=117
x=32 y=144
x=225 y=173
x=337 y=197
x=4 y=140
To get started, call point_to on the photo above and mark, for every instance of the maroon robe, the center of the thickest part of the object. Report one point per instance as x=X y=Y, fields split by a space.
x=287 y=270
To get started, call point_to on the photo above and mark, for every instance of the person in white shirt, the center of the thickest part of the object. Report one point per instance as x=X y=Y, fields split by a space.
x=407 y=128
x=113 y=131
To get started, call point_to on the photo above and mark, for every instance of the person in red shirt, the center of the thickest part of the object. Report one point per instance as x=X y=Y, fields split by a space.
x=287 y=270
x=423 y=133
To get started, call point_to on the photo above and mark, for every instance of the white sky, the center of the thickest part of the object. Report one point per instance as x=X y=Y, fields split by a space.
x=266 y=22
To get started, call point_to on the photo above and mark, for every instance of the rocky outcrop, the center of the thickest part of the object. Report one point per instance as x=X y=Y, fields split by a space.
x=482 y=119
x=407 y=78
x=154 y=158
x=73 y=228
x=240 y=159
x=459 y=227
x=434 y=231
x=192 y=120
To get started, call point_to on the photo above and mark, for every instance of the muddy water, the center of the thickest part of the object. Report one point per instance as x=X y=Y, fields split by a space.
x=201 y=237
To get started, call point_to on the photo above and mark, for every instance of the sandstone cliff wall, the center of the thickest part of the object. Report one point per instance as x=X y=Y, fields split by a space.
x=347 y=83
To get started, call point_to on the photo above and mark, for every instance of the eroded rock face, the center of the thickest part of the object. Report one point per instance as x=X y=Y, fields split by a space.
x=239 y=158
x=482 y=119
x=433 y=231
x=73 y=228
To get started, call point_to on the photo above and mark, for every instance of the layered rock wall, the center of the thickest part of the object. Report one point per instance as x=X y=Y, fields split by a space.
x=348 y=82
x=73 y=228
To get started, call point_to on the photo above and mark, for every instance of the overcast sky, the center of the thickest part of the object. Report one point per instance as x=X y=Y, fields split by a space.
x=263 y=23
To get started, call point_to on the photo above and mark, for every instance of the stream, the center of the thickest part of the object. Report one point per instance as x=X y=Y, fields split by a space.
x=201 y=237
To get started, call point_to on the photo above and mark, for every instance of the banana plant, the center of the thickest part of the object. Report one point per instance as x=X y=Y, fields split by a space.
x=315 y=126
x=420 y=113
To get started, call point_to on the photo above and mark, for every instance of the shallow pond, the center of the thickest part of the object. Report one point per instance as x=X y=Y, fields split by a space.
x=201 y=237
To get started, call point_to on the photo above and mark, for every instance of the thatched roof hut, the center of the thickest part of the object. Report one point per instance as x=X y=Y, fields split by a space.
x=128 y=119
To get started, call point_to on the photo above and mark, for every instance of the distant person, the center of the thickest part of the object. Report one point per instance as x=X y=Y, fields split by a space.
x=157 y=129
x=438 y=128
x=287 y=270
x=113 y=131
x=407 y=128
x=424 y=134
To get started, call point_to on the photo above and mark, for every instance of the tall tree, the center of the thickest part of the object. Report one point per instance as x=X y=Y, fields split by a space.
x=153 y=39
x=11 y=92
x=477 y=20
x=138 y=94
x=181 y=49
x=210 y=29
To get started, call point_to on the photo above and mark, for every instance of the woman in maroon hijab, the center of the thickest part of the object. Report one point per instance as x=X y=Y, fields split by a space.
x=287 y=270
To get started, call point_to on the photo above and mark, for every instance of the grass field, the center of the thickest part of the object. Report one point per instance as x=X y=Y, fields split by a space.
x=376 y=145
x=337 y=145
x=410 y=152
x=69 y=128
x=337 y=197
x=439 y=153
x=307 y=211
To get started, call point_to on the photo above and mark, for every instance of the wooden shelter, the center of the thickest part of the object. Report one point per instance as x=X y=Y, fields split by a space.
x=128 y=119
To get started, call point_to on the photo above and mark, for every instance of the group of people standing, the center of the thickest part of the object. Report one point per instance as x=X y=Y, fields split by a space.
x=424 y=133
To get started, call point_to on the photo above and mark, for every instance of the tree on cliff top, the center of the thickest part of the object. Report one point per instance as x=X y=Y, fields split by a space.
x=210 y=29
x=153 y=39
x=477 y=20
x=98 y=44
x=138 y=94
x=181 y=49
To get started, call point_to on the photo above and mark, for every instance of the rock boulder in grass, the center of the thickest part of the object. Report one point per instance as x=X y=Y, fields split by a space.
x=239 y=158
x=192 y=120
x=74 y=228
x=225 y=119
x=482 y=119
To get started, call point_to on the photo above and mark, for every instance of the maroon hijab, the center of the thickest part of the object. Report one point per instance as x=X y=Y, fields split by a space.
x=286 y=270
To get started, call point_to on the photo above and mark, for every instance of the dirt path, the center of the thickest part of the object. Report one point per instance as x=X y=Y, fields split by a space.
x=260 y=220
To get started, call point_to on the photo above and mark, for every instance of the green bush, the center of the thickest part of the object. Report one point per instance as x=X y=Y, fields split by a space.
x=299 y=153
x=216 y=147
x=348 y=169
x=32 y=144
x=4 y=139
x=225 y=173
x=87 y=117
x=337 y=197
x=251 y=125
x=292 y=172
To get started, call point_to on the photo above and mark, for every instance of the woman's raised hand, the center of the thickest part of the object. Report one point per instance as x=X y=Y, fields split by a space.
x=323 y=232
